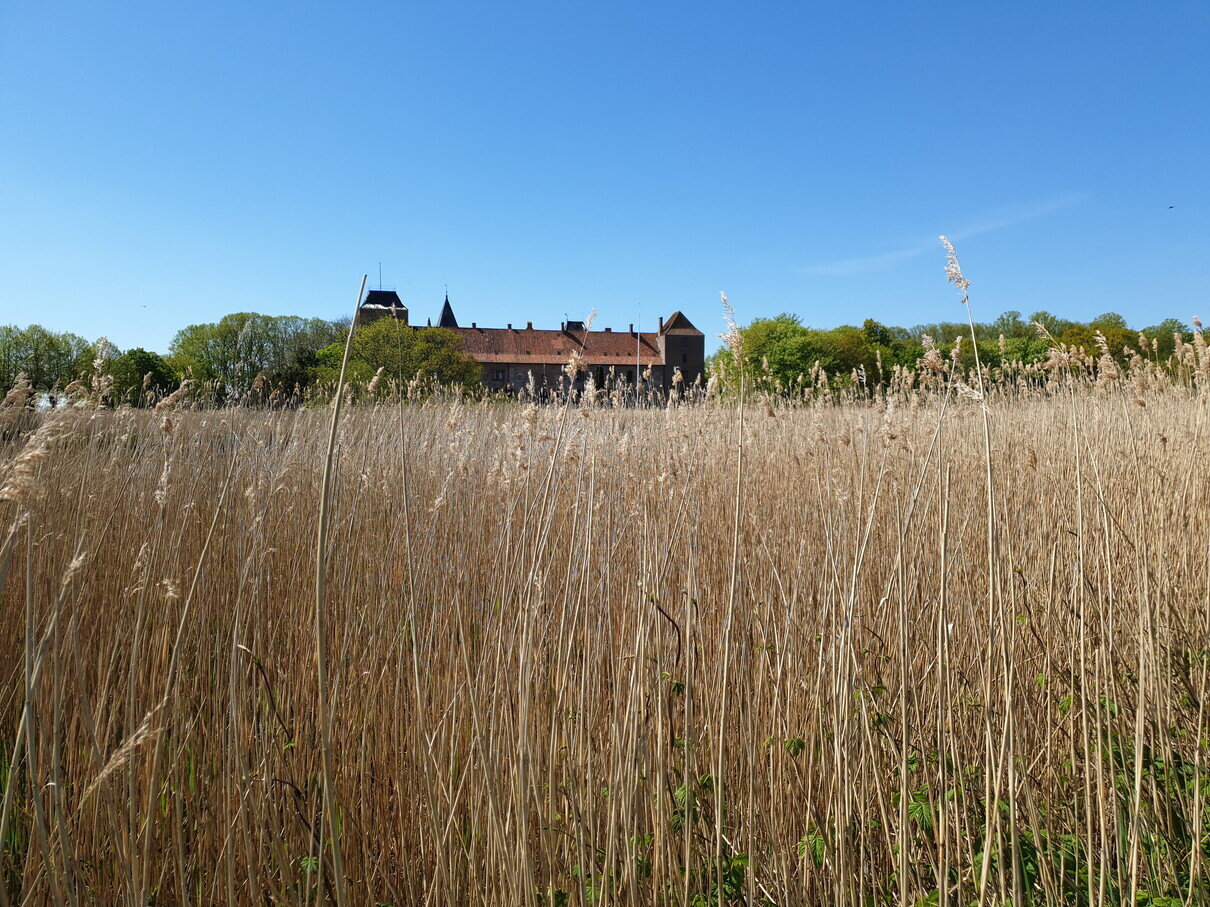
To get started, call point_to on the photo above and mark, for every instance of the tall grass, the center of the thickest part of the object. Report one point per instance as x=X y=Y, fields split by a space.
x=919 y=664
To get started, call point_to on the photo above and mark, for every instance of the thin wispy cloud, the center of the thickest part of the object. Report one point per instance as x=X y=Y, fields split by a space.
x=993 y=220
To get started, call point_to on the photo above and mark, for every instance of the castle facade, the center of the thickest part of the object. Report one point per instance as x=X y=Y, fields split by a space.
x=513 y=356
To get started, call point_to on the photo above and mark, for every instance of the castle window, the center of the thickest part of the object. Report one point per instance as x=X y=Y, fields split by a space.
x=498 y=374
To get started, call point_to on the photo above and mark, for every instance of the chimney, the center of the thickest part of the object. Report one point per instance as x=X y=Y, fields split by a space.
x=608 y=330
x=632 y=329
x=510 y=325
x=529 y=325
x=474 y=325
x=661 y=324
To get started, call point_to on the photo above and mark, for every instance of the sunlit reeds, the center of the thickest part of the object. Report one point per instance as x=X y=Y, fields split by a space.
x=579 y=653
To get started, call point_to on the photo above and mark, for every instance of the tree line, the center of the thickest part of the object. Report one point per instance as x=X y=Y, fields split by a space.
x=785 y=350
x=246 y=353
x=241 y=354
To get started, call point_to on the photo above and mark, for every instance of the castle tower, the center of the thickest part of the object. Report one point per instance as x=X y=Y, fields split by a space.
x=682 y=346
x=380 y=303
x=447 y=319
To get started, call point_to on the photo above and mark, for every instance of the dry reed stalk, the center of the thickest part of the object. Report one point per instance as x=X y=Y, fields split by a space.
x=536 y=606
x=321 y=630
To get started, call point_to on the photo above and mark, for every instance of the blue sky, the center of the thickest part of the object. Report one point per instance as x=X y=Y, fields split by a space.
x=167 y=163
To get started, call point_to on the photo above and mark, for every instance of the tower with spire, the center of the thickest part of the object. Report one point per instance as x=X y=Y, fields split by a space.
x=447 y=319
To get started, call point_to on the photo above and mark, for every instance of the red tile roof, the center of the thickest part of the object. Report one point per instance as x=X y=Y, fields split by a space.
x=536 y=347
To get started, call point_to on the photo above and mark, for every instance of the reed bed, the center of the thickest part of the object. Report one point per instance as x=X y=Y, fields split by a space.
x=582 y=654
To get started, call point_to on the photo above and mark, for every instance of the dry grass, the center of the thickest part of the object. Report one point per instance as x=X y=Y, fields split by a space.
x=527 y=641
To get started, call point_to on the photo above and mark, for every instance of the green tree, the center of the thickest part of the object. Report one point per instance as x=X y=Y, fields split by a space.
x=1025 y=349
x=943 y=333
x=877 y=334
x=1108 y=321
x=1162 y=336
x=1082 y=336
x=849 y=349
x=785 y=347
x=1011 y=326
x=402 y=352
x=1054 y=325
x=241 y=346
x=1168 y=326
x=134 y=368
x=45 y=357
x=1116 y=332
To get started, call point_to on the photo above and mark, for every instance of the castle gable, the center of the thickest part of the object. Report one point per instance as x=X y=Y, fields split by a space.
x=677 y=323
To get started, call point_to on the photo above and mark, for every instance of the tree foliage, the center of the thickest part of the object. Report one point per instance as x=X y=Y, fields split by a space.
x=240 y=347
x=403 y=353
x=137 y=369
x=289 y=351
x=46 y=358
x=786 y=350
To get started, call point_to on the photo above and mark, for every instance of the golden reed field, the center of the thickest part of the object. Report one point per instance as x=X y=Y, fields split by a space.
x=934 y=646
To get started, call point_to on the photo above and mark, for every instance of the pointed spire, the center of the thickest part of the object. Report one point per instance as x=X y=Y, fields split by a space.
x=679 y=323
x=447 y=319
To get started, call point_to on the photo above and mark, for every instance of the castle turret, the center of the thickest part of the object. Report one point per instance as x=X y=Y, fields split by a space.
x=447 y=319
x=379 y=303
x=682 y=346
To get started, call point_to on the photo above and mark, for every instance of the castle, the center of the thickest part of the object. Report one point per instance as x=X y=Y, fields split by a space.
x=510 y=356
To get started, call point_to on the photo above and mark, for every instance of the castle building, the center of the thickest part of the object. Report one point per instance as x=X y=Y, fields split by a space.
x=511 y=355
x=381 y=303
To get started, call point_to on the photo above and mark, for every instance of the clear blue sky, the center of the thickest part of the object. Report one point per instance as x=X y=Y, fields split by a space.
x=167 y=163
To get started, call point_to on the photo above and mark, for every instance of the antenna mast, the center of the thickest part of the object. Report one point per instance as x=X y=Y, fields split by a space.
x=638 y=334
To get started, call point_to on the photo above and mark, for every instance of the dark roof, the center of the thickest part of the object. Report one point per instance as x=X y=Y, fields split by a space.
x=385 y=299
x=527 y=346
x=447 y=319
x=679 y=324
